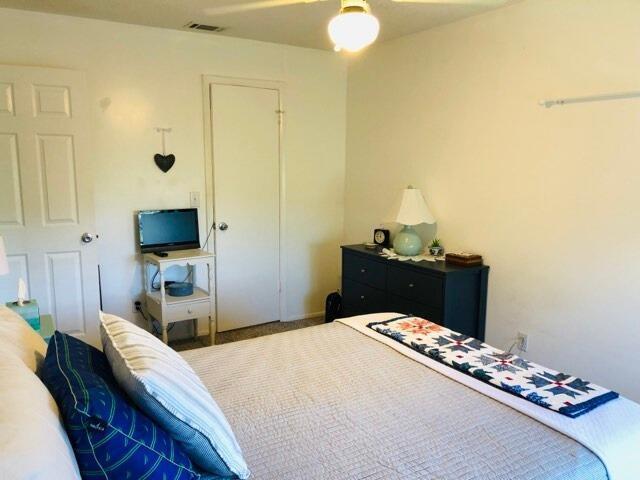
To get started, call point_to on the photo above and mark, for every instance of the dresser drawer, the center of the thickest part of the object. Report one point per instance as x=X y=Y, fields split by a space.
x=409 y=307
x=423 y=288
x=358 y=298
x=186 y=311
x=363 y=270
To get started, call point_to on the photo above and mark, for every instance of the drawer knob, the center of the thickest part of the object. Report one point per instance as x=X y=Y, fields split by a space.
x=363 y=270
x=411 y=285
x=361 y=297
x=189 y=310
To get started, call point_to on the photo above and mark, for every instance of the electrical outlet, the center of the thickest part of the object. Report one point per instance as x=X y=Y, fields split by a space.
x=194 y=198
x=522 y=341
x=136 y=306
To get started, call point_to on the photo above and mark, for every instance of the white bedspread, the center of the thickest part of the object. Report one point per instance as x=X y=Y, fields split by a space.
x=611 y=431
x=329 y=403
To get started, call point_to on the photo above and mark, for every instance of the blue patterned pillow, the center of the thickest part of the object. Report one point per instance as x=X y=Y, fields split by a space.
x=110 y=437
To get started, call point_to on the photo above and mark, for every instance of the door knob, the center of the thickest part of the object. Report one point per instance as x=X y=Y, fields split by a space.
x=88 y=237
x=223 y=226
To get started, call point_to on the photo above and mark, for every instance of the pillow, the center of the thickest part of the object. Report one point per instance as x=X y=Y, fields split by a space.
x=165 y=387
x=33 y=442
x=110 y=437
x=17 y=337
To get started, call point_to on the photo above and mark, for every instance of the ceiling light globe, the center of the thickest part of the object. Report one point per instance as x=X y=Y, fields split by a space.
x=352 y=31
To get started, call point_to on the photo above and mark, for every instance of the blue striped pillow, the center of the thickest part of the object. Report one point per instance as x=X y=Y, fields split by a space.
x=110 y=437
x=167 y=389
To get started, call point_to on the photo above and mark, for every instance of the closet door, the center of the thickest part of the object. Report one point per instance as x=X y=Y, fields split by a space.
x=46 y=195
x=246 y=170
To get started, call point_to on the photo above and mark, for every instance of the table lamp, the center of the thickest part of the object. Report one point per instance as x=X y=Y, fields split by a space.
x=26 y=309
x=413 y=211
x=4 y=263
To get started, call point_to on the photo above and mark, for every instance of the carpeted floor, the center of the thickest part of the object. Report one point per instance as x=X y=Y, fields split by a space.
x=245 y=333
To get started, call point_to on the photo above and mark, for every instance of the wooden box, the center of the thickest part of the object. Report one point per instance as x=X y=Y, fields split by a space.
x=463 y=259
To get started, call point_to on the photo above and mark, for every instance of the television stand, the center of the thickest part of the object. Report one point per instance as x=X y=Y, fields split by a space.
x=167 y=309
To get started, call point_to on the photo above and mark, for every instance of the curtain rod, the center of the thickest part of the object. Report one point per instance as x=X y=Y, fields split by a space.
x=592 y=98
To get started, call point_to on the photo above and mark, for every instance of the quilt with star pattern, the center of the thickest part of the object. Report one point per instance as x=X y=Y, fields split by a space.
x=566 y=394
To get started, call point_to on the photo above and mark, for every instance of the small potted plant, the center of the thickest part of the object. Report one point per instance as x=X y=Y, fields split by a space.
x=435 y=248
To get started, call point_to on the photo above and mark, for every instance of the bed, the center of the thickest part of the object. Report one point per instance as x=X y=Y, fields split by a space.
x=337 y=401
x=329 y=402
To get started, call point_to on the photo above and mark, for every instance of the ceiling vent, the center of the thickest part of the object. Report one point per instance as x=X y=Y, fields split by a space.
x=202 y=26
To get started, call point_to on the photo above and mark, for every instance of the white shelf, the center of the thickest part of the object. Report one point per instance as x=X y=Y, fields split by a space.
x=167 y=309
x=180 y=256
x=198 y=295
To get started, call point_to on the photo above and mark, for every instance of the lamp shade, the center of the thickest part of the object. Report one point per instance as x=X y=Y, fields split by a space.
x=4 y=264
x=413 y=209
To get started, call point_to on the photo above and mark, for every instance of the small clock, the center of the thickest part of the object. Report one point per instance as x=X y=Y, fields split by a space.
x=382 y=237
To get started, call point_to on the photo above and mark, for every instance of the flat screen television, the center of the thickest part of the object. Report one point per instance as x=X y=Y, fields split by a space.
x=164 y=230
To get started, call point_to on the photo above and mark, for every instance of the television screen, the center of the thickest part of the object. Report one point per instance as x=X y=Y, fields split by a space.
x=162 y=230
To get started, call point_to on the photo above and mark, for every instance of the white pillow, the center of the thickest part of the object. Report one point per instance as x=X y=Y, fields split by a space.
x=33 y=442
x=17 y=337
x=165 y=387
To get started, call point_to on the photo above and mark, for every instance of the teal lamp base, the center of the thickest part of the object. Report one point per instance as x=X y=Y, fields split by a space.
x=407 y=242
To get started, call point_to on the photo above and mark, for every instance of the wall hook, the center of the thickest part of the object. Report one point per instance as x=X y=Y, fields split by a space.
x=163 y=161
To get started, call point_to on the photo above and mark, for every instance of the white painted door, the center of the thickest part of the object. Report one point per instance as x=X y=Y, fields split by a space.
x=46 y=199
x=246 y=161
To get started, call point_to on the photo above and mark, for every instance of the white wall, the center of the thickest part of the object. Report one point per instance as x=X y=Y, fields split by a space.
x=141 y=78
x=550 y=197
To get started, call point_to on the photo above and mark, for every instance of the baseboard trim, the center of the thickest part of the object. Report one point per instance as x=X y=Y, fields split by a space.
x=305 y=316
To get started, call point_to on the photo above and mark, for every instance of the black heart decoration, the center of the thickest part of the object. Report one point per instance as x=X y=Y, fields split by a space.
x=164 y=162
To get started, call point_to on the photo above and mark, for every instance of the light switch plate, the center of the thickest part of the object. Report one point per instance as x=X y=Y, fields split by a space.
x=194 y=199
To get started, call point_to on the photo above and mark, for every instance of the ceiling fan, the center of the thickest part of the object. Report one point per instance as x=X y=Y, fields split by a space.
x=354 y=27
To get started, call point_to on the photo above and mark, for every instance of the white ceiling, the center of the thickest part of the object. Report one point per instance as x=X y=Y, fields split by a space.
x=303 y=25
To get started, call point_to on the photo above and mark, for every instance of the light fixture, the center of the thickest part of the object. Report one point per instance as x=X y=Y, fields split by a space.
x=413 y=211
x=354 y=27
x=4 y=263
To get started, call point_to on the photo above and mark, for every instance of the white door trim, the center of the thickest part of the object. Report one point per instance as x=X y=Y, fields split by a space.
x=207 y=81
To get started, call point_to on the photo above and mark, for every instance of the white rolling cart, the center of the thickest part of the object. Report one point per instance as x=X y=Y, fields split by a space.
x=167 y=309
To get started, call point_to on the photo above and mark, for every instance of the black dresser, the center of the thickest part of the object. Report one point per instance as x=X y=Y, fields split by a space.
x=454 y=297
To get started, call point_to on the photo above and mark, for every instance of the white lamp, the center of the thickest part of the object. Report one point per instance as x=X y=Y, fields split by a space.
x=413 y=211
x=4 y=263
x=4 y=270
x=354 y=27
